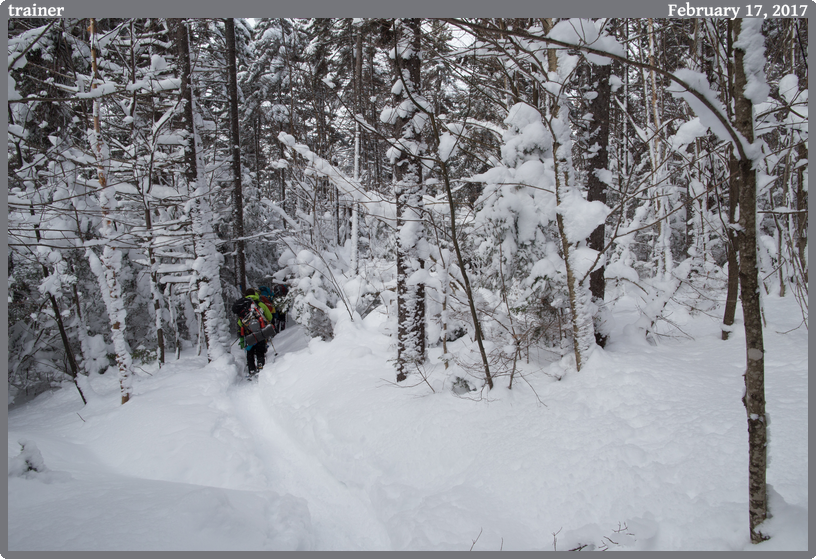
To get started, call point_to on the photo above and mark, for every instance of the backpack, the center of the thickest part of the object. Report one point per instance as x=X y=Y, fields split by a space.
x=264 y=291
x=255 y=326
x=268 y=303
x=265 y=296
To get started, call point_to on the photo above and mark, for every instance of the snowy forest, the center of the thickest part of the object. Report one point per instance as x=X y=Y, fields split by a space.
x=484 y=210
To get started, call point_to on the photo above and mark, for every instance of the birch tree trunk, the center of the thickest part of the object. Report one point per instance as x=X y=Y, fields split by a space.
x=660 y=192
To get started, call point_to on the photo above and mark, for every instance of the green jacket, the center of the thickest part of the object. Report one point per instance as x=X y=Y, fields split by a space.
x=264 y=309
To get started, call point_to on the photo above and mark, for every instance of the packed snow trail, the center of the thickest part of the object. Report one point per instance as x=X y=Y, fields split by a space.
x=341 y=517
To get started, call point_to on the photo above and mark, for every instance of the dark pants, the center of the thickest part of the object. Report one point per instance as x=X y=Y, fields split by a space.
x=258 y=351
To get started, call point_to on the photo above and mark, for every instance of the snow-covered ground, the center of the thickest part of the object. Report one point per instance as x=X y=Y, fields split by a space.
x=645 y=448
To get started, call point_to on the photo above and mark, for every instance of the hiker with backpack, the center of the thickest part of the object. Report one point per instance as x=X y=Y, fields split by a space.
x=277 y=294
x=255 y=326
x=265 y=296
x=274 y=294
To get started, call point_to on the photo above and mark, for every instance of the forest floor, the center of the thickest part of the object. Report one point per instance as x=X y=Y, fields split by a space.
x=644 y=449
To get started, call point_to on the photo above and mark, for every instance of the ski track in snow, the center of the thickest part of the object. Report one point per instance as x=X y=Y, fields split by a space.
x=335 y=508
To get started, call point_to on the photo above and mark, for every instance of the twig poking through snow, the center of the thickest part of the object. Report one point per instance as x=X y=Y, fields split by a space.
x=477 y=539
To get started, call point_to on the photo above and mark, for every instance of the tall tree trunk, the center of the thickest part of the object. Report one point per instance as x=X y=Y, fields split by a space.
x=235 y=139
x=583 y=331
x=596 y=188
x=107 y=267
x=155 y=290
x=375 y=144
x=408 y=194
x=734 y=178
x=749 y=292
x=190 y=164
x=732 y=247
x=256 y=140
x=801 y=215
x=358 y=110
x=171 y=307
x=208 y=260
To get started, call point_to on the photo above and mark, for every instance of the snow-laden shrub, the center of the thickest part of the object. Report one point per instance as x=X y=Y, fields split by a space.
x=313 y=301
x=315 y=294
x=513 y=240
x=29 y=464
x=322 y=285
x=37 y=358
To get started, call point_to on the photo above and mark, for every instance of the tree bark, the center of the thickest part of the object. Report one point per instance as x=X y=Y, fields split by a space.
x=583 y=332
x=358 y=89
x=408 y=196
x=107 y=272
x=754 y=399
x=208 y=260
x=235 y=139
x=732 y=248
x=596 y=188
x=155 y=290
x=802 y=216
x=190 y=161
